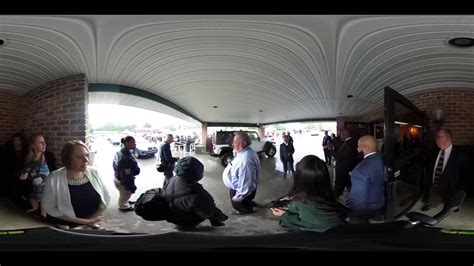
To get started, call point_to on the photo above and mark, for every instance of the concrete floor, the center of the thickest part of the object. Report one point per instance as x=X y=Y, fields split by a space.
x=261 y=222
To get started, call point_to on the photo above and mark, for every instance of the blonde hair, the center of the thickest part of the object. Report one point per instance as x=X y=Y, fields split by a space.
x=31 y=156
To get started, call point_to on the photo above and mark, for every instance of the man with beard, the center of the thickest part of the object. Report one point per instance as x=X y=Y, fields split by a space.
x=366 y=198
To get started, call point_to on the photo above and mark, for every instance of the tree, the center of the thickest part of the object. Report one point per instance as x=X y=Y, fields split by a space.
x=111 y=127
x=116 y=127
x=280 y=127
x=309 y=126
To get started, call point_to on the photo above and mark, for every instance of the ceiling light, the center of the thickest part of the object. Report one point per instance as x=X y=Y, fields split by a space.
x=461 y=42
x=438 y=111
x=400 y=123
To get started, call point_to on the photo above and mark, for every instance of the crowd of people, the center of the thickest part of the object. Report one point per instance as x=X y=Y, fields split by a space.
x=76 y=195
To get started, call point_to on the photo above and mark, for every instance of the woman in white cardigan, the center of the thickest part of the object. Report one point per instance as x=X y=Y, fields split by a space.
x=75 y=194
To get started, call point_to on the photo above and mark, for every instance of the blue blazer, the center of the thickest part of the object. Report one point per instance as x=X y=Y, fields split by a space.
x=368 y=183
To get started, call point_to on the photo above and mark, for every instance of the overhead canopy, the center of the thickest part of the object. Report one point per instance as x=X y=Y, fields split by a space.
x=254 y=68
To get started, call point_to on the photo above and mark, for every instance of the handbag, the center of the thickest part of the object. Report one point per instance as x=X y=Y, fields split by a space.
x=163 y=166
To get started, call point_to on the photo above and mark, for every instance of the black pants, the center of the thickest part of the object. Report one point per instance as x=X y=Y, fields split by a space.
x=432 y=197
x=168 y=173
x=244 y=206
x=185 y=219
x=343 y=179
x=190 y=219
x=19 y=191
x=327 y=156
x=288 y=164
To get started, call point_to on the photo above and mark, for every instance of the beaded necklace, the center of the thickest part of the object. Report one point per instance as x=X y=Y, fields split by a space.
x=77 y=182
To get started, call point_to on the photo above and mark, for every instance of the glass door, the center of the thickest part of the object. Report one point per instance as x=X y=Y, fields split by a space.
x=403 y=148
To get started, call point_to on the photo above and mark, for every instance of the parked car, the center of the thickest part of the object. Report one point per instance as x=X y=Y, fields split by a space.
x=114 y=141
x=144 y=148
x=222 y=145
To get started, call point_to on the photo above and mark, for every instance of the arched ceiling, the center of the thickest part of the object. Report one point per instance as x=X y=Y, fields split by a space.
x=291 y=67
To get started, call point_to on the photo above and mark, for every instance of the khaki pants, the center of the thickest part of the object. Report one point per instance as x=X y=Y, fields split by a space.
x=124 y=195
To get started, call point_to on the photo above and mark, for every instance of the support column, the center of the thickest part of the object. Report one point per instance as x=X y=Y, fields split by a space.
x=261 y=131
x=203 y=133
x=201 y=148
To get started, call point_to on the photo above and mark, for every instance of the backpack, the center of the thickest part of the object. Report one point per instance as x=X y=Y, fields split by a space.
x=153 y=205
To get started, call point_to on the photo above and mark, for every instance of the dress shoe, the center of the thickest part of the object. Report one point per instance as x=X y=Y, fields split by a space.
x=129 y=209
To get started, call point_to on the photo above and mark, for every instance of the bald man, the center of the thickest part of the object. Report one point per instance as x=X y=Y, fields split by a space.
x=366 y=198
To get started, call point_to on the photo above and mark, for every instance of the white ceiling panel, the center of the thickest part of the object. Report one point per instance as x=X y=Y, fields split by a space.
x=255 y=68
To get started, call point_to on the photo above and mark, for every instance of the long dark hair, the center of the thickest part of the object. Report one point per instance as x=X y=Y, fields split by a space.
x=312 y=181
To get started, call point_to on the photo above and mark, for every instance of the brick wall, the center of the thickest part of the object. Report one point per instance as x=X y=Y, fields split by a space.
x=58 y=110
x=458 y=103
x=341 y=120
x=10 y=116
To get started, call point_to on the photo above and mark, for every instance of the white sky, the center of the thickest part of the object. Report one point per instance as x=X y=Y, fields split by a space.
x=101 y=114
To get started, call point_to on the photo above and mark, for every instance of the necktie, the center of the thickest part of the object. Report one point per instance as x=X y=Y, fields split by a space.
x=439 y=169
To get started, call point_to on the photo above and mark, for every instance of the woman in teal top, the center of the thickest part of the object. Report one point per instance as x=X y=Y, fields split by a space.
x=312 y=204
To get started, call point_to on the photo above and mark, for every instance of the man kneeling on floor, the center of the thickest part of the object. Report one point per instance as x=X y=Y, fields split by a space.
x=196 y=204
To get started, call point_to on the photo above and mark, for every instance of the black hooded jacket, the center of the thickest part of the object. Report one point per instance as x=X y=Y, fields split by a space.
x=197 y=204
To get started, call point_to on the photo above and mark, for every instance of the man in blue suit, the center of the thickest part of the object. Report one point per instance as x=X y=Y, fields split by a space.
x=366 y=198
